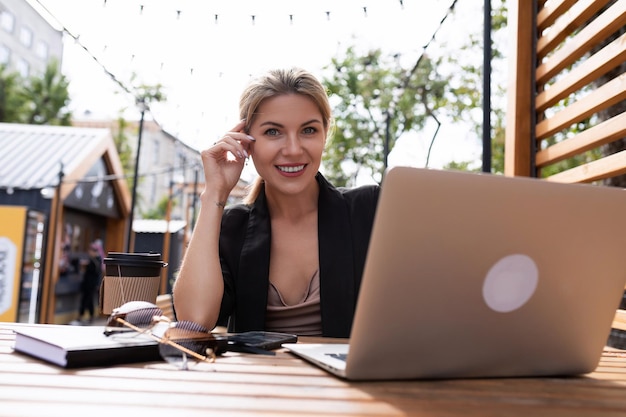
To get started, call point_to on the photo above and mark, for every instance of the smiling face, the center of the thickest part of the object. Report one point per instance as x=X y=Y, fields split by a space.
x=290 y=138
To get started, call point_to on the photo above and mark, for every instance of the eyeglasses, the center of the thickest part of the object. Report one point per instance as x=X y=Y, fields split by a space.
x=179 y=342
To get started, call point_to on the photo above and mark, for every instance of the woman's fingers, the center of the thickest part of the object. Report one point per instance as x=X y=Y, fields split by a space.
x=224 y=160
x=236 y=142
x=229 y=144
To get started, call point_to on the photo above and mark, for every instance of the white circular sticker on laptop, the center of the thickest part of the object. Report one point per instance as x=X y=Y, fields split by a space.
x=510 y=283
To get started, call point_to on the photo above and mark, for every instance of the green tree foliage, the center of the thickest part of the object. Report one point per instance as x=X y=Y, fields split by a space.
x=376 y=101
x=461 y=166
x=12 y=101
x=123 y=148
x=48 y=98
x=160 y=211
x=41 y=100
x=147 y=93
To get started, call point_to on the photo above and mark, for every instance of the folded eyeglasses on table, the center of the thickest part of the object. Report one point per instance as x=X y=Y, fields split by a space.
x=180 y=341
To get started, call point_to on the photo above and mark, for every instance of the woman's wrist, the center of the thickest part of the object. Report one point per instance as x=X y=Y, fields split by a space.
x=214 y=200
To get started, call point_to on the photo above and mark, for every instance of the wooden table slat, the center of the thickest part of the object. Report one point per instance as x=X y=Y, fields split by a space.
x=282 y=385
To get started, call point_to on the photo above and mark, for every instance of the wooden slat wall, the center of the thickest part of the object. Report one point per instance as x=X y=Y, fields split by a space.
x=553 y=114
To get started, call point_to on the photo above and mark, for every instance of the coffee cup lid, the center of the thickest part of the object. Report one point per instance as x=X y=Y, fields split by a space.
x=150 y=256
x=135 y=259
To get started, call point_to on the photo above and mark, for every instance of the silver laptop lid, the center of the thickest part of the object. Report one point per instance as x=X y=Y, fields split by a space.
x=473 y=275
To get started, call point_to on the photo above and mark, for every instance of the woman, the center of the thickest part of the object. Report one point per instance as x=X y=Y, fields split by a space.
x=291 y=257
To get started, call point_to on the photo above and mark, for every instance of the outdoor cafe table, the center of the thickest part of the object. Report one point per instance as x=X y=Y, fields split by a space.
x=260 y=385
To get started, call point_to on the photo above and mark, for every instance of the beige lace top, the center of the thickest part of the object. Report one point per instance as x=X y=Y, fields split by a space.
x=303 y=318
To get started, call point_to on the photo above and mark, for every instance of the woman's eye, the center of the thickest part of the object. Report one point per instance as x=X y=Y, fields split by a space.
x=271 y=132
x=309 y=130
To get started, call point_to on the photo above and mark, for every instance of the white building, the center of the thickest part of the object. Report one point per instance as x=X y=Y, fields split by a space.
x=27 y=41
x=167 y=166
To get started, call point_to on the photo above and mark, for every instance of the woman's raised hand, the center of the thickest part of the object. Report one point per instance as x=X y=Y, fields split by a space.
x=225 y=159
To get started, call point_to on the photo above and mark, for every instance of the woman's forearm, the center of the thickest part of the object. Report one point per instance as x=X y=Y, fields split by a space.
x=199 y=286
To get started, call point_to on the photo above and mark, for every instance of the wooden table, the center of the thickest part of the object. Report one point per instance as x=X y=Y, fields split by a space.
x=281 y=385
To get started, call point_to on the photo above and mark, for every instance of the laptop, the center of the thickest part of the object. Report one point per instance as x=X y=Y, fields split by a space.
x=480 y=275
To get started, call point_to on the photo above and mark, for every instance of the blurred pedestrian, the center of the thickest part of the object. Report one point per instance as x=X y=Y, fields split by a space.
x=92 y=274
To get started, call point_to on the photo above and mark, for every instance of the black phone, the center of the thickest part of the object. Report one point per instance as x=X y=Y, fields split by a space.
x=261 y=339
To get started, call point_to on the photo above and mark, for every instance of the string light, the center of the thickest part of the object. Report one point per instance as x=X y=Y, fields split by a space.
x=253 y=17
x=176 y=13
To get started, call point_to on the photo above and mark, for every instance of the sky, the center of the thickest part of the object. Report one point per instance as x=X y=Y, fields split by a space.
x=204 y=53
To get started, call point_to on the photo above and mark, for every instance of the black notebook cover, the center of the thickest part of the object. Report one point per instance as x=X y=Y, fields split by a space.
x=83 y=346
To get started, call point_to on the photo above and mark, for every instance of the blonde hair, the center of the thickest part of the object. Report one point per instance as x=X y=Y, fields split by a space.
x=275 y=83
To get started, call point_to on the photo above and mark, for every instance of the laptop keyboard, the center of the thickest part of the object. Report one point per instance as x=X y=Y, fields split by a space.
x=340 y=356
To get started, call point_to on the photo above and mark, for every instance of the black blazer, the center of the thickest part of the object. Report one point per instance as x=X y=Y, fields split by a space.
x=345 y=218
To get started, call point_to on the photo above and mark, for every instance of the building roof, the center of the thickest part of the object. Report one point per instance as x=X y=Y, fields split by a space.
x=32 y=156
x=157 y=226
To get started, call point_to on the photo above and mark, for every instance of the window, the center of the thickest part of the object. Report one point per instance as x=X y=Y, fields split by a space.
x=42 y=50
x=23 y=67
x=5 y=55
x=26 y=37
x=7 y=21
x=157 y=151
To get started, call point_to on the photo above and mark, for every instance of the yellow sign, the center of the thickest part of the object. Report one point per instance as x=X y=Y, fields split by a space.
x=12 y=228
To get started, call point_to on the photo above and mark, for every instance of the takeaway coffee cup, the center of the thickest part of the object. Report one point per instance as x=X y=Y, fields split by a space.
x=130 y=277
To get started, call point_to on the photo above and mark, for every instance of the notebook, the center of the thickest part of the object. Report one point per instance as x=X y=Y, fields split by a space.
x=82 y=346
x=479 y=275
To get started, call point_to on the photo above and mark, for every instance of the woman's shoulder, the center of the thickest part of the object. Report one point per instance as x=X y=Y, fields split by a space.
x=235 y=221
x=361 y=194
x=360 y=190
x=237 y=208
x=232 y=212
